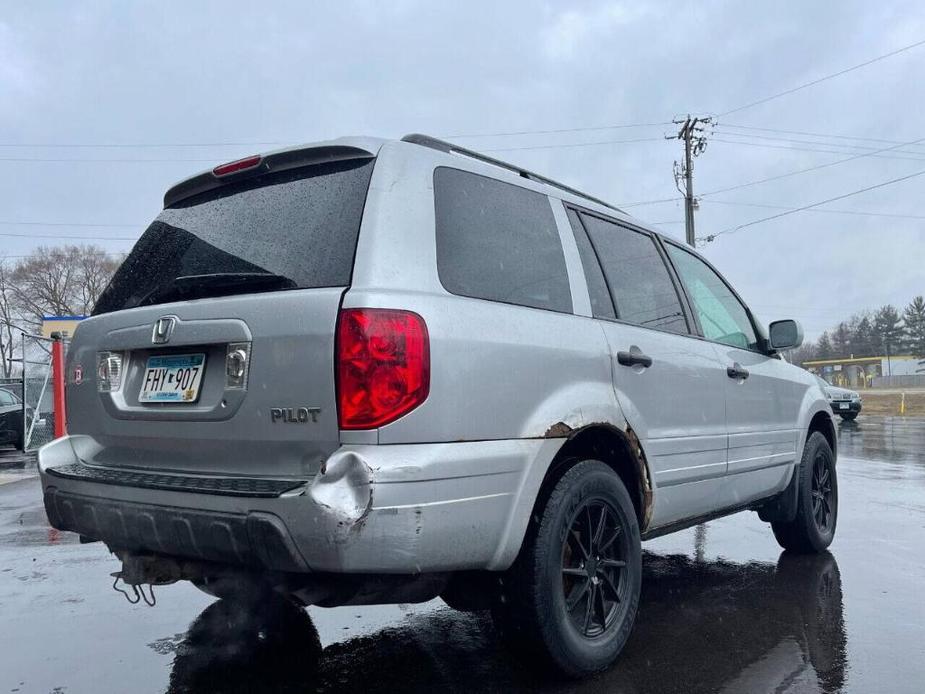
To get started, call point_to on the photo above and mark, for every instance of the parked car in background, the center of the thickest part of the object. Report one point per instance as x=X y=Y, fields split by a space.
x=368 y=371
x=11 y=418
x=845 y=403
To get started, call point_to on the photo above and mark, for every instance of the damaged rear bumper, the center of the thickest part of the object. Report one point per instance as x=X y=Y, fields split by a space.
x=372 y=509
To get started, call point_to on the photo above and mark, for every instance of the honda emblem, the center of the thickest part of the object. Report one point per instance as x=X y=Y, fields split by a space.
x=163 y=329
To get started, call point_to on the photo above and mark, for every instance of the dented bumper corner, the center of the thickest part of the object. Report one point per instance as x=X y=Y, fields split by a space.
x=383 y=509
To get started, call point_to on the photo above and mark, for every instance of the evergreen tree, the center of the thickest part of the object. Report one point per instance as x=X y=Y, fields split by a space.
x=824 y=347
x=863 y=339
x=841 y=340
x=914 y=318
x=888 y=330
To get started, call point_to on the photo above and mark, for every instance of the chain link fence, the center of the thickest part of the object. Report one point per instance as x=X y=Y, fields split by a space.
x=37 y=388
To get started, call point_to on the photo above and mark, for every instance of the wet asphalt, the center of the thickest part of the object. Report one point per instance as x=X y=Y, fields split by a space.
x=722 y=610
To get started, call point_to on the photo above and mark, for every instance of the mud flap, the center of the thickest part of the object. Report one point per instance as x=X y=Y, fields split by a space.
x=783 y=507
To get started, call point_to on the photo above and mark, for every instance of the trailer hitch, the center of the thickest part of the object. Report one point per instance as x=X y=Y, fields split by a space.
x=139 y=571
x=138 y=591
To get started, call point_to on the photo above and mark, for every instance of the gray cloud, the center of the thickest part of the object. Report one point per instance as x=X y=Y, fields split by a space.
x=232 y=72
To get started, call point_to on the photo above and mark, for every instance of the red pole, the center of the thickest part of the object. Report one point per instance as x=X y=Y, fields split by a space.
x=57 y=374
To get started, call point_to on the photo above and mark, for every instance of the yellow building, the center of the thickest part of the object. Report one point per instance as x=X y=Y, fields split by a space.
x=66 y=325
x=860 y=372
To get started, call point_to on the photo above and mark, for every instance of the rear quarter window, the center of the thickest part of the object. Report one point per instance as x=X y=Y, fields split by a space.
x=499 y=242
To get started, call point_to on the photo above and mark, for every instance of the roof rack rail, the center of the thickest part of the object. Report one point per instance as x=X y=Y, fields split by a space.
x=450 y=148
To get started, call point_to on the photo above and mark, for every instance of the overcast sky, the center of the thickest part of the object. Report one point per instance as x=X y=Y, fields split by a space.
x=170 y=73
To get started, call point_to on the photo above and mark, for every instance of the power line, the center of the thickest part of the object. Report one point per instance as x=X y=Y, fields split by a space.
x=856 y=213
x=130 y=145
x=102 y=254
x=809 y=149
x=734 y=229
x=562 y=130
x=59 y=236
x=811 y=83
x=817 y=143
x=576 y=144
x=132 y=160
x=76 y=160
x=810 y=134
x=811 y=168
x=70 y=224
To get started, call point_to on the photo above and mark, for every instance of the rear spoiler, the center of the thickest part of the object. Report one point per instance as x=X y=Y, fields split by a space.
x=274 y=161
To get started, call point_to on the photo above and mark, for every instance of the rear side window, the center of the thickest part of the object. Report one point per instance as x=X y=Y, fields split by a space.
x=297 y=228
x=601 y=303
x=642 y=289
x=499 y=242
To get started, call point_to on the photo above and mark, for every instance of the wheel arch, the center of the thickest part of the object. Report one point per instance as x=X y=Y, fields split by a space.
x=618 y=449
x=822 y=422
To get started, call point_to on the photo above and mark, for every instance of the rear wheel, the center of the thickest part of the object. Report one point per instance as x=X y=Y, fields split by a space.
x=573 y=592
x=813 y=528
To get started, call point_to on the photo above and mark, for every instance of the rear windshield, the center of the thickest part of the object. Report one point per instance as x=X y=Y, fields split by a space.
x=299 y=227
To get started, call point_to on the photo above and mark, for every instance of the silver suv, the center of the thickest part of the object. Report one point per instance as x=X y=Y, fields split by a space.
x=368 y=371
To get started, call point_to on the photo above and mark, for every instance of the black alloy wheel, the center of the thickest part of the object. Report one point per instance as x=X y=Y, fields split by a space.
x=594 y=568
x=822 y=493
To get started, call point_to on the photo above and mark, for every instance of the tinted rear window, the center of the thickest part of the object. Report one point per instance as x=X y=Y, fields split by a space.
x=499 y=242
x=301 y=225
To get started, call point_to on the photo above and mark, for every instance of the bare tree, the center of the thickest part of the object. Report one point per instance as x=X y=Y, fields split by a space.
x=8 y=321
x=60 y=281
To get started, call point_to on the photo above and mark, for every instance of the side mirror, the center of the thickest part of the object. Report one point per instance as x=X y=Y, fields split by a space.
x=785 y=334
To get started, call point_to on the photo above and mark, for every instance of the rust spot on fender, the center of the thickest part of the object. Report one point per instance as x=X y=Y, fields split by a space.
x=558 y=430
x=645 y=484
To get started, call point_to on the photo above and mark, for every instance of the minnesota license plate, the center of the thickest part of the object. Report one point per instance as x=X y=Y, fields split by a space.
x=174 y=378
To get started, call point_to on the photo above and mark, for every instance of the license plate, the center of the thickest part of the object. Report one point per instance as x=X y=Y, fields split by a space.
x=174 y=378
x=843 y=406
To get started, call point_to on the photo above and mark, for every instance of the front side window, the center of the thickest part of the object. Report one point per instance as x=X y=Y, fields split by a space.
x=639 y=282
x=6 y=398
x=499 y=242
x=722 y=316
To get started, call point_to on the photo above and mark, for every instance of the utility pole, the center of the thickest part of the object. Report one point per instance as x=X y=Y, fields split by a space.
x=693 y=134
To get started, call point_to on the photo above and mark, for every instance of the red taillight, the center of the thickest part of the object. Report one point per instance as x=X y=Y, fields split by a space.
x=383 y=366
x=236 y=166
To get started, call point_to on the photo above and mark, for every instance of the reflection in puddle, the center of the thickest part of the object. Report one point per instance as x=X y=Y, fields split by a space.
x=702 y=626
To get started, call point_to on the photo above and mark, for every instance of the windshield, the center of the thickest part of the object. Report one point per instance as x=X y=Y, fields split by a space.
x=299 y=227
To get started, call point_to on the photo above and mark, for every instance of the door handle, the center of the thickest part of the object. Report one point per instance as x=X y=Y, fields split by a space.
x=736 y=371
x=634 y=359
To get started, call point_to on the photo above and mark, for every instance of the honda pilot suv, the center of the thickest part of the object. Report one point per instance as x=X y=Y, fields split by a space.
x=367 y=371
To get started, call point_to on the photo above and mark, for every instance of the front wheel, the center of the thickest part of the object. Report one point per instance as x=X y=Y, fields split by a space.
x=573 y=593
x=813 y=528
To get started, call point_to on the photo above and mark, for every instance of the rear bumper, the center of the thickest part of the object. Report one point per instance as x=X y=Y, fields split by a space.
x=372 y=509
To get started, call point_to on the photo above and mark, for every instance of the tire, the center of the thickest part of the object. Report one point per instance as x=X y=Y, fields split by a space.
x=813 y=528
x=850 y=417
x=582 y=546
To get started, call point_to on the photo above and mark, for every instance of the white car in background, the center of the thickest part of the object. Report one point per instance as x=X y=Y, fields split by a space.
x=845 y=403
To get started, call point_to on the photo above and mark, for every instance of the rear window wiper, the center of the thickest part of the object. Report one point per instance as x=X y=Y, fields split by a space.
x=215 y=284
